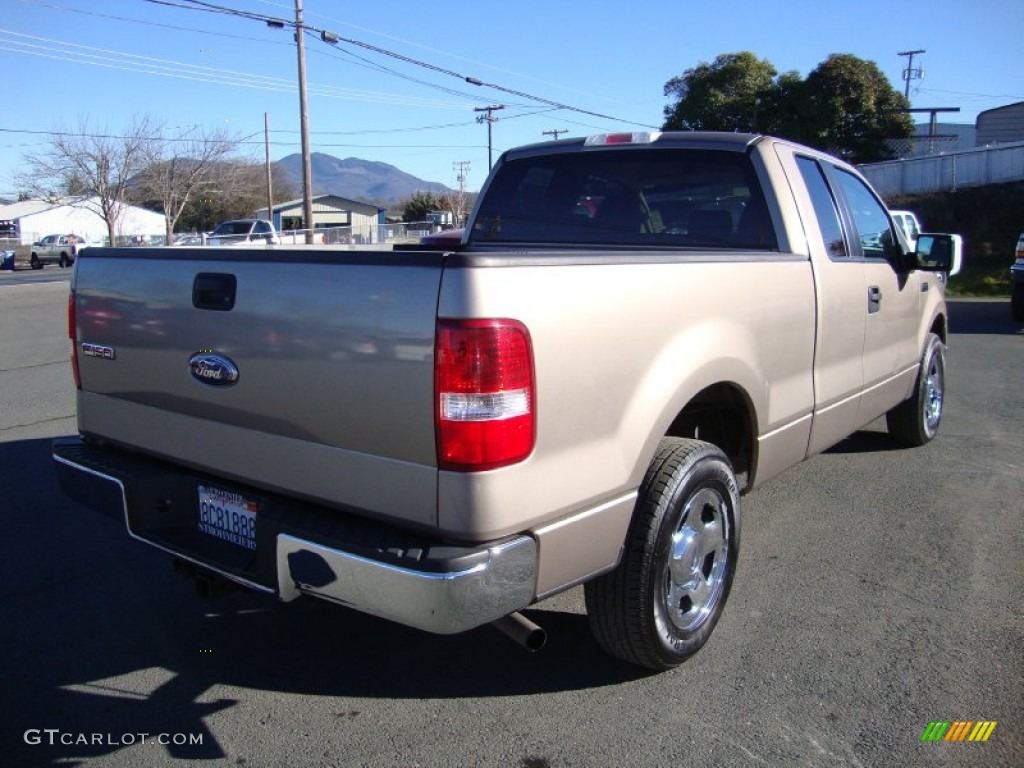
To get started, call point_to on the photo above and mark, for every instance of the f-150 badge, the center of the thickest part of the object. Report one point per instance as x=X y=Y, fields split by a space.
x=211 y=368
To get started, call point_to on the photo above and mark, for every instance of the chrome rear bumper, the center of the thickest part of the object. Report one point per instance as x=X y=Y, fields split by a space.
x=301 y=549
x=444 y=603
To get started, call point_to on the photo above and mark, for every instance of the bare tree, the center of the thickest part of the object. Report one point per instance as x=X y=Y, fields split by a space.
x=90 y=169
x=180 y=168
x=234 y=189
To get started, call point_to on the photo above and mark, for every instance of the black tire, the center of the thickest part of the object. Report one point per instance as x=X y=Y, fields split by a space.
x=1017 y=302
x=684 y=527
x=916 y=421
x=63 y=262
x=35 y=262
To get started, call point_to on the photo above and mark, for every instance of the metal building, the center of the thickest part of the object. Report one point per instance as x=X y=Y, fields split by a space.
x=331 y=212
x=1001 y=125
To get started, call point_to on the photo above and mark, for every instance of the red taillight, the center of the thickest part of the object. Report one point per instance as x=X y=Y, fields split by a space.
x=73 y=335
x=485 y=409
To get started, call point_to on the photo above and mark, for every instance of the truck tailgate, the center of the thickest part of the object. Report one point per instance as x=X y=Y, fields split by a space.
x=333 y=350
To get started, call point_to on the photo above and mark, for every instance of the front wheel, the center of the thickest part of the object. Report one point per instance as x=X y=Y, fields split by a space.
x=661 y=603
x=916 y=421
x=35 y=262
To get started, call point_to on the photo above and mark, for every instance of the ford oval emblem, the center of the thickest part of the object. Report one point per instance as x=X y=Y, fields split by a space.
x=213 y=369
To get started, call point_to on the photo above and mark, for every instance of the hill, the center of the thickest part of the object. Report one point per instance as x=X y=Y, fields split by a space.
x=357 y=179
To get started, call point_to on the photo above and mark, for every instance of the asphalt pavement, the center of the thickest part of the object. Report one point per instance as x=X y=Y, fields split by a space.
x=879 y=589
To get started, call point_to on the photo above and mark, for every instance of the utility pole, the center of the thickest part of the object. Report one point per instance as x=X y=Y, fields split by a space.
x=270 y=189
x=307 y=163
x=490 y=120
x=459 y=209
x=554 y=132
x=910 y=73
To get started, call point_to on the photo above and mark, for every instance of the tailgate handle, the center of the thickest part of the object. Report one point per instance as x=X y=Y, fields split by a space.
x=214 y=290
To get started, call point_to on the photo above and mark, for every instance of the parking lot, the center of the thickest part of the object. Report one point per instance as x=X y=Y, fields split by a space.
x=879 y=590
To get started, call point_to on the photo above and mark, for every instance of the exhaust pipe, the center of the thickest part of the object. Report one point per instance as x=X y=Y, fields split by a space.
x=522 y=630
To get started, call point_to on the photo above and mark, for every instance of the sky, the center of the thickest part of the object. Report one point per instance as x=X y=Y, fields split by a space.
x=395 y=88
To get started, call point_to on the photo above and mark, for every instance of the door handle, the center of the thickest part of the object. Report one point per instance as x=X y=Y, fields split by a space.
x=874 y=299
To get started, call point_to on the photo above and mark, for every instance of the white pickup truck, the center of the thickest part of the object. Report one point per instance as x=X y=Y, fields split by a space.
x=634 y=331
x=56 y=249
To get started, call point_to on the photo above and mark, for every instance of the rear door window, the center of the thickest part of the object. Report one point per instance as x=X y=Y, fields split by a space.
x=825 y=209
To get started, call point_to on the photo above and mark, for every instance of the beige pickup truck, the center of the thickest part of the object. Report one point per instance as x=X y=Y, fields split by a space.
x=635 y=330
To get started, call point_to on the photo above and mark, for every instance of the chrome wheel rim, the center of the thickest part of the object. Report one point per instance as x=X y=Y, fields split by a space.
x=933 y=395
x=696 y=566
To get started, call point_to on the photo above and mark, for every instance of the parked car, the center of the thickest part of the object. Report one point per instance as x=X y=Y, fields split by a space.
x=243 y=232
x=909 y=224
x=188 y=240
x=56 y=249
x=1017 y=273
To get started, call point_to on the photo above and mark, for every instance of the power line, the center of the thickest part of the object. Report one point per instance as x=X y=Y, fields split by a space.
x=68 y=9
x=85 y=135
x=359 y=60
x=198 y=5
x=412 y=129
x=195 y=5
x=476 y=81
x=245 y=140
x=431 y=49
x=44 y=47
x=976 y=95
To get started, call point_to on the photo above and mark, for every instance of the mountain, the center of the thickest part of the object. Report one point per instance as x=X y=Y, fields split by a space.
x=357 y=179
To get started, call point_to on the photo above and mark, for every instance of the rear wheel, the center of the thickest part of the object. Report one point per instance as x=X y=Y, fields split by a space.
x=63 y=261
x=916 y=421
x=660 y=605
x=35 y=262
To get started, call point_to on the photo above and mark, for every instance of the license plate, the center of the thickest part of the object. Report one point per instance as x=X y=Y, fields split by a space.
x=228 y=516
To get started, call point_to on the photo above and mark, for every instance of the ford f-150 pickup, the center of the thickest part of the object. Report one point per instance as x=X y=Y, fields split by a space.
x=634 y=330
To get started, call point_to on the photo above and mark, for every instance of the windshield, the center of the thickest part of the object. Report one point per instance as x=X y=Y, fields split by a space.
x=651 y=197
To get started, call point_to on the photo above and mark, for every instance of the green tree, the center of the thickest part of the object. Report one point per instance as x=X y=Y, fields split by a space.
x=233 y=189
x=420 y=204
x=851 y=109
x=845 y=106
x=726 y=95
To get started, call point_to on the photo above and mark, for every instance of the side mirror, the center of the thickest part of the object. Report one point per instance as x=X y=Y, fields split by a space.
x=939 y=253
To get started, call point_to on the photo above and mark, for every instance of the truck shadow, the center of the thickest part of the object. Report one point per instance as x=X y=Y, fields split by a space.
x=104 y=638
x=982 y=317
x=866 y=441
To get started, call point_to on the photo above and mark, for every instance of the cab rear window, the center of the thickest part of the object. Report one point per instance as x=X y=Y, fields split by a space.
x=651 y=197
